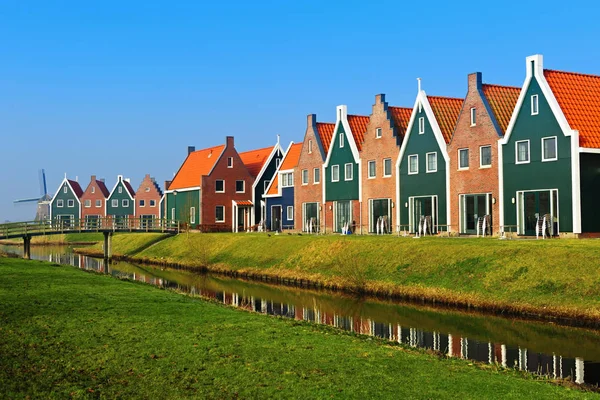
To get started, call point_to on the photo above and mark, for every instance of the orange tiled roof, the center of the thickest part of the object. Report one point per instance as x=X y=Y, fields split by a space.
x=325 y=132
x=502 y=101
x=400 y=116
x=358 y=125
x=255 y=159
x=446 y=110
x=579 y=98
x=197 y=164
x=243 y=202
x=291 y=157
x=274 y=188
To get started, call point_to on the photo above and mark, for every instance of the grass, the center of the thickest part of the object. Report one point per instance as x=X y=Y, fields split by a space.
x=60 y=239
x=64 y=333
x=552 y=277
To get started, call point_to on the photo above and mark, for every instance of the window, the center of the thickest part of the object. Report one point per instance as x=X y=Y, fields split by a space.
x=310 y=147
x=290 y=213
x=277 y=162
x=534 y=105
x=88 y=203
x=522 y=152
x=485 y=156
x=549 y=150
x=65 y=189
x=114 y=203
x=387 y=167
x=473 y=117
x=378 y=133
x=71 y=203
x=120 y=189
x=142 y=203
x=93 y=189
x=192 y=215
x=125 y=203
x=98 y=203
x=267 y=182
x=220 y=214
x=463 y=158
x=152 y=203
x=372 y=169
x=173 y=214
x=421 y=125
x=431 y=162
x=305 y=177
x=219 y=186
x=341 y=139
x=335 y=173
x=229 y=162
x=287 y=179
x=147 y=189
x=413 y=164
x=60 y=203
x=317 y=175
x=240 y=186
x=348 y=172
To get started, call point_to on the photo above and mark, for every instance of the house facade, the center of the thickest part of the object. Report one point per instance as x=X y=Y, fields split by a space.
x=120 y=203
x=473 y=154
x=308 y=175
x=93 y=203
x=65 y=206
x=147 y=201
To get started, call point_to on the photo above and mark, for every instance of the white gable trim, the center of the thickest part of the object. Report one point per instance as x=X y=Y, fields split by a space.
x=276 y=149
x=65 y=180
x=216 y=161
x=342 y=118
x=183 y=190
x=278 y=172
x=119 y=180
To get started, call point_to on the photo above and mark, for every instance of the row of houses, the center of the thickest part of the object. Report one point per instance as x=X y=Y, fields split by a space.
x=522 y=159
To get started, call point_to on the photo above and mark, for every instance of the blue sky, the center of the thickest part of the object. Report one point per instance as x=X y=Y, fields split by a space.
x=124 y=87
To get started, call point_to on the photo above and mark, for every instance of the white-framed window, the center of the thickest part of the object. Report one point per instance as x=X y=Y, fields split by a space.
x=348 y=172
x=316 y=175
x=463 y=158
x=192 y=215
x=290 y=213
x=125 y=203
x=98 y=203
x=431 y=162
x=305 y=177
x=335 y=173
x=287 y=179
x=114 y=203
x=87 y=203
x=535 y=106
x=473 y=116
x=277 y=163
x=152 y=203
x=65 y=189
x=219 y=186
x=147 y=189
x=387 y=167
x=173 y=214
x=421 y=125
x=413 y=164
x=229 y=162
x=549 y=149
x=60 y=203
x=378 y=133
x=70 y=203
x=267 y=182
x=310 y=146
x=120 y=189
x=220 y=214
x=93 y=189
x=372 y=166
x=240 y=186
x=142 y=203
x=485 y=156
x=522 y=152
x=341 y=139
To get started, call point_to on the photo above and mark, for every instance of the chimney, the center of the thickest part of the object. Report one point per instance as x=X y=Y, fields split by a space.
x=128 y=180
x=342 y=112
x=93 y=178
x=311 y=121
x=147 y=176
x=191 y=149
x=167 y=184
x=474 y=81
x=535 y=65
x=229 y=141
x=101 y=180
x=379 y=98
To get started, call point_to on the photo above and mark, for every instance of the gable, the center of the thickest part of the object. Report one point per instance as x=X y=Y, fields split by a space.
x=197 y=164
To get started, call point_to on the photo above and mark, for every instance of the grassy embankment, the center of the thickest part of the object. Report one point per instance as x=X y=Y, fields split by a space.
x=69 y=333
x=552 y=278
x=59 y=239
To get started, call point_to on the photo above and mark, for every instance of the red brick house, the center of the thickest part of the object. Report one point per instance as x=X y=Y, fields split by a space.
x=473 y=153
x=93 y=202
x=308 y=174
x=147 y=200
x=385 y=130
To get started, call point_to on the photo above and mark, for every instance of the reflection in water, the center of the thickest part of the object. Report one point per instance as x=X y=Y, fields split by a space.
x=553 y=351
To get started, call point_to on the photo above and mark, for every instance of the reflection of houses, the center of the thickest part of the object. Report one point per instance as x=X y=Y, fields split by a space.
x=65 y=206
x=94 y=202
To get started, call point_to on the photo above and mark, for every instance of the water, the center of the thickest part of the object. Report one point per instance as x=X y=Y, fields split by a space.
x=543 y=348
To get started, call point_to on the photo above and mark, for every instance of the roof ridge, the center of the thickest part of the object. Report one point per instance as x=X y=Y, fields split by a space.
x=446 y=97
x=356 y=115
x=262 y=148
x=571 y=73
x=400 y=107
x=501 y=86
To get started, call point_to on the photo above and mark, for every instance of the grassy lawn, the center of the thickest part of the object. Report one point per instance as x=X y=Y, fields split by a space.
x=67 y=238
x=559 y=277
x=64 y=333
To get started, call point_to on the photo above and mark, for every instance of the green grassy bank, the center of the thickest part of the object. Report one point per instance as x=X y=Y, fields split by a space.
x=65 y=333
x=548 y=278
x=59 y=239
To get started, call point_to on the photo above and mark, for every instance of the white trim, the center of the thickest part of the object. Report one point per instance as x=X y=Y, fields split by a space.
x=427 y=170
x=500 y=187
x=468 y=159
x=304 y=183
x=276 y=149
x=62 y=204
x=192 y=215
x=473 y=115
x=315 y=180
x=391 y=167
x=481 y=158
x=342 y=119
x=421 y=125
x=346 y=172
x=229 y=158
x=123 y=204
x=112 y=203
x=555 y=158
x=219 y=221
x=576 y=182
x=287 y=211
x=517 y=151
x=219 y=180
x=236 y=182
x=408 y=161
x=338 y=173
x=535 y=101
x=183 y=190
x=588 y=150
x=378 y=133
x=120 y=179
x=369 y=163
x=281 y=181
x=341 y=136
x=278 y=173
x=521 y=229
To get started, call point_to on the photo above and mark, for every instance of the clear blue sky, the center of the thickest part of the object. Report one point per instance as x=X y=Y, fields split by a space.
x=122 y=87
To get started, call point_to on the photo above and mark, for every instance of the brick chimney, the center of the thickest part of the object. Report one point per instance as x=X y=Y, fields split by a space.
x=191 y=149
x=93 y=178
x=379 y=98
x=167 y=184
x=229 y=141
x=311 y=121
x=474 y=81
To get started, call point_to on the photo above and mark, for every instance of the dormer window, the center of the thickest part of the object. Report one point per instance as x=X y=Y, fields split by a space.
x=341 y=140
x=473 y=117
x=378 y=133
x=534 y=105
x=421 y=125
x=229 y=162
x=310 y=147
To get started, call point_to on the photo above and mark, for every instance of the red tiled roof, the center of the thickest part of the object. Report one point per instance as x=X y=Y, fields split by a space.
x=76 y=188
x=255 y=159
x=400 y=116
x=197 y=164
x=358 y=126
x=325 y=132
x=243 y=203
x=502 y=101
x=291 y=157
x=446 y=111
x=274 y=188
x=579 y=98
x=102 y=186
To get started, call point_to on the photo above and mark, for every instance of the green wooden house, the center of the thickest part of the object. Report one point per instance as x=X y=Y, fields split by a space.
x=120 y=204
x=65 y=206
x=422 y=181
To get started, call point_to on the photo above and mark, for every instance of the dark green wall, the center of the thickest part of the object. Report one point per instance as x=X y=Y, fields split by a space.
x=259 y=190
x=120 y=210
x=423 y=183
x=537 y=174
x=342 y=190
x=590 y=192
x=182 y=202
x=65 y=210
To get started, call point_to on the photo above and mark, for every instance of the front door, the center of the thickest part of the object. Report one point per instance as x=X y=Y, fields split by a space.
x=311 y=217
x=276 y=218
x=535 y=204
x=380 y=216
x=343 y=215
x=475 y=207
x=241 y=219
x=423 y=207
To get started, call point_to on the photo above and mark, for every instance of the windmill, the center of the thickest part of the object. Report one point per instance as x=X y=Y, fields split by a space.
x=43 y=202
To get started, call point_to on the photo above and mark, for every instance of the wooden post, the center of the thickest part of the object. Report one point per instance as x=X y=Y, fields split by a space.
x=107 y=246
x=27 y=247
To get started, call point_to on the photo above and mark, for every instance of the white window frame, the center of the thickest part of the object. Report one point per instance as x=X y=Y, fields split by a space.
x=346 y=178
x=71 y=203
x=334 y=169
x=125 y=203
x=377 y=133
x=114 y=203
x=427 y=170
x=473 y=116
x=120 y=190
x=192 y=215
x=142 y=203
x=555 y=158
x=341 y=140
x=517 y=152
x=310 y=146
x=416 y=157
x=374 y=164
x=98 y=203
x=173 y=214
x=305 y=175
x=277 y=163
x=152 y=203
x=87 y=203
x=147 y=189
x=93 y=189
x=220 y=191
x=462 y=168
x=389 y=160
x=243 y=186
x=229 y=162
x=222 y=220
x=316 y=176
x=60 y=203
x=535 y=104
x=290 y=213
x=65 y=190
x=421 y=125
x=481 y=165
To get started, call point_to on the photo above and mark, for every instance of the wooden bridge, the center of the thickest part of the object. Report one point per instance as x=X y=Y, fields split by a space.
x=108 y=226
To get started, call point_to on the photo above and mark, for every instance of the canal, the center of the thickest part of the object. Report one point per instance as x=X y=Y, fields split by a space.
x=538 y=347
